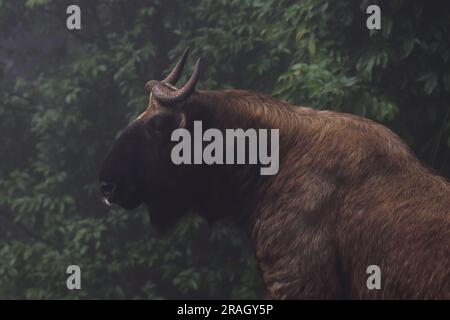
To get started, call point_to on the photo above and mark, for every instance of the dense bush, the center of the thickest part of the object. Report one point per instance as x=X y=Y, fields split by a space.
x=65 y=95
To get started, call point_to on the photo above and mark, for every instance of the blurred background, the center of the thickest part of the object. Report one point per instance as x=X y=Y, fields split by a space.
x=65 y=94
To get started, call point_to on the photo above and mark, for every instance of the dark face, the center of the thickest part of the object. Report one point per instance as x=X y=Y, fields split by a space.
x=139 y=159
x=138 y=169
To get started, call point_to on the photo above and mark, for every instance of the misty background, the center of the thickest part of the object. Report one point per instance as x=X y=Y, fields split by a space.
x=65 y=94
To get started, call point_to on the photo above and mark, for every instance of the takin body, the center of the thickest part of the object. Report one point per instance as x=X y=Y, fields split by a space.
x=349 y=194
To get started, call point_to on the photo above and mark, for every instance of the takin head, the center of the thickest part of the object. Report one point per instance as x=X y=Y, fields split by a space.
x=138 y=169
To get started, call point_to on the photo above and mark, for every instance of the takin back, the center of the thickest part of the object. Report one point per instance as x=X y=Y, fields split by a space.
x=348 y=194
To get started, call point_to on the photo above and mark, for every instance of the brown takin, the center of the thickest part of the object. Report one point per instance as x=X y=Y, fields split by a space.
x=349 y=193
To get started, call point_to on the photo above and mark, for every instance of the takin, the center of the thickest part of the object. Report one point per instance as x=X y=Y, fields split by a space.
x=349 y=193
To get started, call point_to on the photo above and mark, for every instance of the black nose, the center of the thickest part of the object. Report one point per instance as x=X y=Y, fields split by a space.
x=107 y=189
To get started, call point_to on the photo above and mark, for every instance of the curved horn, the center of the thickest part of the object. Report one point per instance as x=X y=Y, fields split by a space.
x=174 y=75
x=165 y=94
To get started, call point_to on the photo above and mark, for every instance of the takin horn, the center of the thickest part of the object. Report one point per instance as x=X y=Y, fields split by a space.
x=174 y=75
x=165 y=94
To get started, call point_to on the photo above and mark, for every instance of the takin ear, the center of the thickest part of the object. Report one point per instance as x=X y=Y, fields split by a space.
x=164 y=123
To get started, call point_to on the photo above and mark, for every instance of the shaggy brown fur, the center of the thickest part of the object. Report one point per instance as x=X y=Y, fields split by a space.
x=349 y=194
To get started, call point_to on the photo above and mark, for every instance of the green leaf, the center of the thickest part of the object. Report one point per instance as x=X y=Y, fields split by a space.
x=408 y=46
x=299 y=35
x=431 y=84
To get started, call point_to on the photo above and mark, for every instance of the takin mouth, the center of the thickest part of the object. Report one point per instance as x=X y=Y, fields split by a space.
x=106 y=201
x=128 y=205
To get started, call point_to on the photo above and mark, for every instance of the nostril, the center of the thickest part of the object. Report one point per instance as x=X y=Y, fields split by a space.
x=107 y=188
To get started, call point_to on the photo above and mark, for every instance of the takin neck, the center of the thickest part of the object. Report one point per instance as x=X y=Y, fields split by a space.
x=322 y=155
x=224 y=190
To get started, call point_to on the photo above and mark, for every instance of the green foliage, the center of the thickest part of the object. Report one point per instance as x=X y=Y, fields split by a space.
x=60 y=114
